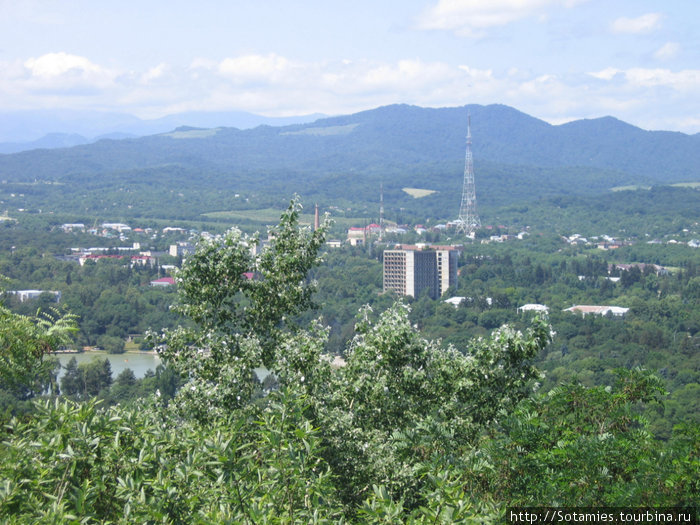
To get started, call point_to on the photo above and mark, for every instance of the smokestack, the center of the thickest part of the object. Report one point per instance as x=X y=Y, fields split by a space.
x=316 y=221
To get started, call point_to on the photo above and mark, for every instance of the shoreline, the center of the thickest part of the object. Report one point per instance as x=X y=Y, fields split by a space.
x=95 y=351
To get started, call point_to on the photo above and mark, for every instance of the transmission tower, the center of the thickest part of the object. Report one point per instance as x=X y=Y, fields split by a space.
x=468 y=221
x=381 y=210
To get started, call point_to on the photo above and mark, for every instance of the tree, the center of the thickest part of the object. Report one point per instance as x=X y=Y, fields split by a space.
x=579 y=446
x=97 y=376
x=72 y=382
x=113 y=345
x=25 y=343
x=409 y=431
x=124 y=387
x=401 y=399
x=126 y=378
x=134 y=464
x=238 y=321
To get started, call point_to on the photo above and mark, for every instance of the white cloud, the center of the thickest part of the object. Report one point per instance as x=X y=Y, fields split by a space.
x=405 y=73
x=276 y=85
x=668 y=51
x=472 y=17
x=687 y=80
x=605 y=74
x=57 y=64
x=641 y=24
x=256 y=68
x=64 y=72
x=155 y=73
x=203 y=63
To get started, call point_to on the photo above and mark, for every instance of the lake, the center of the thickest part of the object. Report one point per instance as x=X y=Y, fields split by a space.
x=138 y=361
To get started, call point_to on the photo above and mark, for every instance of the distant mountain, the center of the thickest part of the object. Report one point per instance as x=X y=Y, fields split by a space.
x=516 y=156
x=50 y=141
x=21 y=130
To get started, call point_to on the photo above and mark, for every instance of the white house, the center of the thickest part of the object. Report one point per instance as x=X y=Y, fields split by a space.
x=25 y=295
x=615 y=311
x=455 y=301
x=533 y=308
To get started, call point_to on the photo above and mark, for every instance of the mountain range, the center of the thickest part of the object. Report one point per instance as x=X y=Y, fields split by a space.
x=344 y=159
x=26 y=130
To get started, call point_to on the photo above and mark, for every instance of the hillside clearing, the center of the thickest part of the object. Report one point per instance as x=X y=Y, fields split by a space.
x=418 y=193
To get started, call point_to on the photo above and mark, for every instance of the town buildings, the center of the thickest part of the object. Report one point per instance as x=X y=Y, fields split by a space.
x=415 y=269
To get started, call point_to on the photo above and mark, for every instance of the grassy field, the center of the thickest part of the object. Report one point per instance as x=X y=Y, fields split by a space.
x=631 y=187
x=687 y=185
x=271 y=216
x=264 y=215
x=417 y=193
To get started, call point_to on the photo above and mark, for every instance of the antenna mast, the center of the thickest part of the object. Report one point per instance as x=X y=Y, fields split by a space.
x=468 y=221
x=381 y=210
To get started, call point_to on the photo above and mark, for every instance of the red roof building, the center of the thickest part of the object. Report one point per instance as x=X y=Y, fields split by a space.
x=165 y=281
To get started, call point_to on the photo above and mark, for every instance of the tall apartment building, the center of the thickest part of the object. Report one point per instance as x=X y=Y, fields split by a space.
x=412 y=269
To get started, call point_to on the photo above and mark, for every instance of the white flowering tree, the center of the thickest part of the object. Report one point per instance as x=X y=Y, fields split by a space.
x=403 y=401
x=238 y=322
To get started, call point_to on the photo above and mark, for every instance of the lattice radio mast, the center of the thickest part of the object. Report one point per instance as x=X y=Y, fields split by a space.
x=468 y=221
x=381 y=210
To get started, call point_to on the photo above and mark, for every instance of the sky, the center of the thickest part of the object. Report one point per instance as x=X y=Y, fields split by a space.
x=557 y=60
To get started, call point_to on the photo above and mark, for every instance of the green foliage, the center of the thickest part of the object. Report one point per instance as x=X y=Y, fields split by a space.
x=218 y=294
x=72 y=383
x=113 y=345
x=401 y=399
x=660 y=332
x=86 y=380
x=238 y=321
x=446 y=502
x=578 y=446
x=24 y=344
x=76 y=462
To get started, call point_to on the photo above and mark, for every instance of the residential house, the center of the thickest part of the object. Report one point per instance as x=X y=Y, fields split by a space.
x=615 y=311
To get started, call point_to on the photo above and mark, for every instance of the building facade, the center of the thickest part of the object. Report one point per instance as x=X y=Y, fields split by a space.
x=413 y=270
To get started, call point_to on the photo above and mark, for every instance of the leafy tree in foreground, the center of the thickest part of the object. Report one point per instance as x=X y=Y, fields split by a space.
x=402 y=399
x=76 y=463
x=24 y=344
x=242 y=305
x=578 y=446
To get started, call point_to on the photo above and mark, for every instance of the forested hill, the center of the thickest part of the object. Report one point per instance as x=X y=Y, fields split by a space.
x=403 y=145
x=505 y=135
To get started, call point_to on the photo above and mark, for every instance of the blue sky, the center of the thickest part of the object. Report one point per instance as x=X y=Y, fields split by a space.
x=558 y=60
